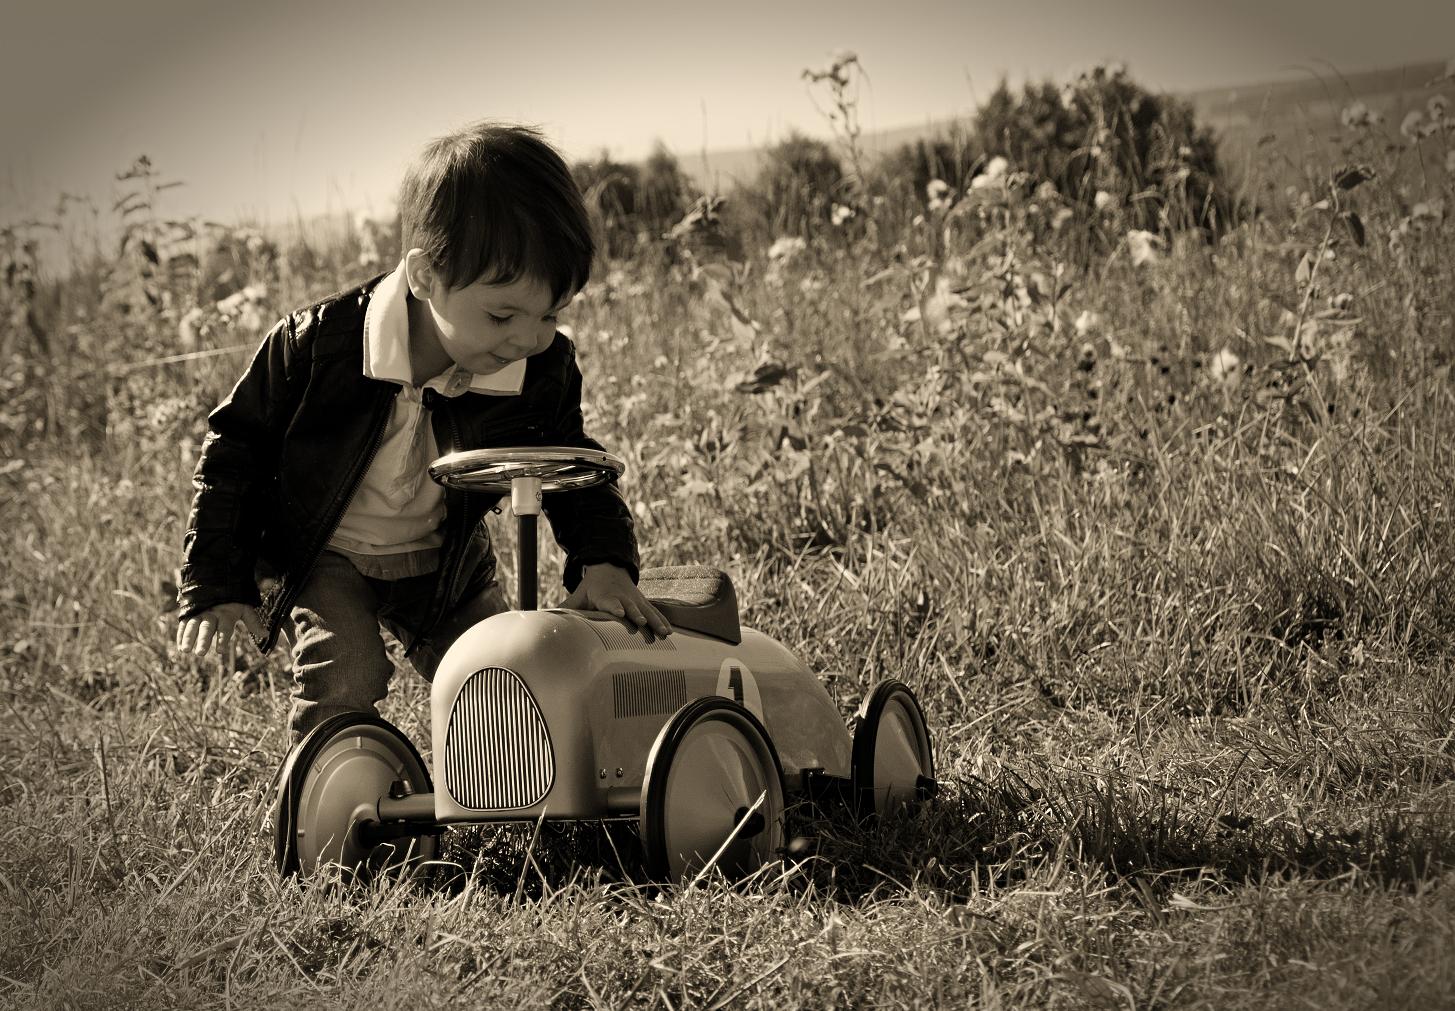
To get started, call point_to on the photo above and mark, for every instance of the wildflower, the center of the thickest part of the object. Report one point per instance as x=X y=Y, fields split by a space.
x=246 y=309
x=1103 y=200
x=1428 y=210
x=841 y=214
x=1062 y=215
x=1412 y=126
x=1224 y=367
x=1357 y=114
x=940 y=195
x=1145 y=247
x=1086 y=322
x=1436 y=107
x=936 y=310
x=838 y=69
x=190 y=328
x=1398 y=235
x=993 y=174
x=1306 y=340
x=1341 y=301
x=786 y=248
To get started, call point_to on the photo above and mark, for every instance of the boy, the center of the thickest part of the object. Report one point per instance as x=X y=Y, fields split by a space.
x=314 y=513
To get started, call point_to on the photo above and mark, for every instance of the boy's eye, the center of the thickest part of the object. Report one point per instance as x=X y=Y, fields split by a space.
x=498 y=319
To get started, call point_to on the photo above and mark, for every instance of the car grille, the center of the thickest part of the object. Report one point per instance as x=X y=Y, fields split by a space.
x=497 y=749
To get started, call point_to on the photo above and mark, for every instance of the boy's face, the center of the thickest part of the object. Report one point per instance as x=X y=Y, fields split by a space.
x=484 y=327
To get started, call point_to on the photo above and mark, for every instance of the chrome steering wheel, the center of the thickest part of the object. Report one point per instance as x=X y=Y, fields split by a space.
x=558 y=468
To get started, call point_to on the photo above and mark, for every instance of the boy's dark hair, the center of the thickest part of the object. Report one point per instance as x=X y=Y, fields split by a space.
x=496 y=203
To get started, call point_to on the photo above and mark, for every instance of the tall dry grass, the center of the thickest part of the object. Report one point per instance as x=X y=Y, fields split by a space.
x=1164 y=543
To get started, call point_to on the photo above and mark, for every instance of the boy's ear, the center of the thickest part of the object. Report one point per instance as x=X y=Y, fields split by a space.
x=420 y=274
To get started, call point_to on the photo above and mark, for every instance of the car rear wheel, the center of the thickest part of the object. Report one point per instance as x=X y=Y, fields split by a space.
x=893 y=765
x=712 y=794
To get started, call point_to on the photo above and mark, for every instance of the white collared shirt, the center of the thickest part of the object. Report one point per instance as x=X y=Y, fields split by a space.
x=391 y=528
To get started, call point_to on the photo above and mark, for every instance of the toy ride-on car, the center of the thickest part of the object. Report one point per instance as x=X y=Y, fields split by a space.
x=703 y=737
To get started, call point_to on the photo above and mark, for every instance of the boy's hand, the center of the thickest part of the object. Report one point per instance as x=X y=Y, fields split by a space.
x=197 y=632
x=609 y=588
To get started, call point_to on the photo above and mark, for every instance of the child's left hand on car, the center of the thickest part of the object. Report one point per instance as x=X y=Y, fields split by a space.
x=609 y=588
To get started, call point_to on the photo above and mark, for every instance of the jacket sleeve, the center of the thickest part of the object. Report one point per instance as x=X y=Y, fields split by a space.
x=594 y=525
x=237 y=466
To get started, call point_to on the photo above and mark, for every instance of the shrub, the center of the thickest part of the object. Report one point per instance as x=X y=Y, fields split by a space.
x=797 y=185
x=1104 y=134
x=664 y=190
x=952 y=156
x=610 y=188
x=629 y=200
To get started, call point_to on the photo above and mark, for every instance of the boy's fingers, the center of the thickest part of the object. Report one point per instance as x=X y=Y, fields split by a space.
x=659 y=623
x=204 y=636
x=187 y=634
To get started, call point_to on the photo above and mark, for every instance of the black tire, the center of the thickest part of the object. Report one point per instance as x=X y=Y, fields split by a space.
x=713 y=788
x=893 y=765
x=346 y=761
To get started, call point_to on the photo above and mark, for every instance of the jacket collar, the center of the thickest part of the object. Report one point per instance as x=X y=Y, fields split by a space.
x=386 y=346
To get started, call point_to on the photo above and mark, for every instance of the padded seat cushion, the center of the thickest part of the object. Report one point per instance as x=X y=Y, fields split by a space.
x=695 y=598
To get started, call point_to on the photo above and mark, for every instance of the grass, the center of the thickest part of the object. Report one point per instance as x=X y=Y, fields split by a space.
x=1183 y=635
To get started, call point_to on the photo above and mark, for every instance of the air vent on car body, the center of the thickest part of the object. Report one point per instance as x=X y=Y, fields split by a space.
x=648 y=693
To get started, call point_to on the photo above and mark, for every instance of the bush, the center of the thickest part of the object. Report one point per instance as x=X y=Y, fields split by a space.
x=797 y=186
x=1105 y=134
x=952 y=157
x=629 y=200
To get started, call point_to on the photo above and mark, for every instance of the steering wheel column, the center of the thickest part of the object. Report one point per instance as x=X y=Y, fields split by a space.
x=525 y=502
x=526 y=472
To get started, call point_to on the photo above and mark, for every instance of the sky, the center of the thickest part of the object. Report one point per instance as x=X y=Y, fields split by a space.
x=266 y=110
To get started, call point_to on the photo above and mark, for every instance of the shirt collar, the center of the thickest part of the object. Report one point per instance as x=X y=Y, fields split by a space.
x=386 y=347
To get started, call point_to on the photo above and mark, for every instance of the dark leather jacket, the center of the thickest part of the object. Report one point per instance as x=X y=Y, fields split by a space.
x=288 y=447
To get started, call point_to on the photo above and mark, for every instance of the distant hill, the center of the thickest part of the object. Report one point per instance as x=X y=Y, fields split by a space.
x=1289 y=125
x=729 y=166
x=1299 y=114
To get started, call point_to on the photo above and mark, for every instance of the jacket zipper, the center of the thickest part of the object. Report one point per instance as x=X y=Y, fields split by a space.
x=449 y=572
x=380 y=426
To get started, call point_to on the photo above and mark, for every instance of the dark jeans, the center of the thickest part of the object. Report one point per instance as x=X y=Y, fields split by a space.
x=339 y=660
